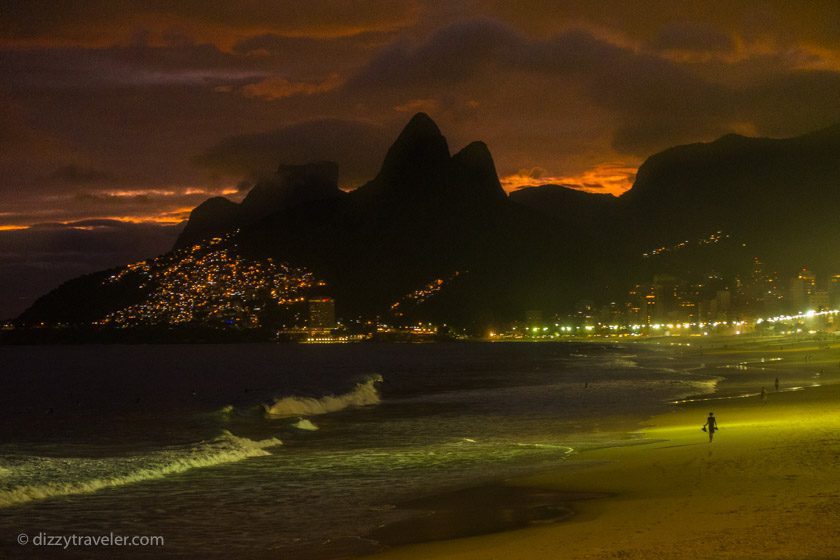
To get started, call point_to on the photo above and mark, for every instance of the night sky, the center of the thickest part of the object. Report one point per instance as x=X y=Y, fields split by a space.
x=119 y=117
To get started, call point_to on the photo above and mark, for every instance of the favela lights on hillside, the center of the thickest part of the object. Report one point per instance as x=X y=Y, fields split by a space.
x=466 y=280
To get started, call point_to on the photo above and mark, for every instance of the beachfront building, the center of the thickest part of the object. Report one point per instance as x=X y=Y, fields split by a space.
x=801 y=287
x=834 y=291
x=818 y=300
x=321 y=315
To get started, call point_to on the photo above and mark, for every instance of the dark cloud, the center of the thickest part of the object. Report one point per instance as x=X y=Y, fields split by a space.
x=293 y=55
x=568 y=98
x=36 y=260
x=95 y=22
x=357 y=147
x=769 y=21
x=655 y=102
x=109 y=106
x=77 y=174
x=113 y=108
x=91 y=69
x=451 y=55
x=694 y=37
x=792 y=102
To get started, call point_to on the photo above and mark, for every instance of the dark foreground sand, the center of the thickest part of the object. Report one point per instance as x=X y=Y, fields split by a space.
x=767 y=487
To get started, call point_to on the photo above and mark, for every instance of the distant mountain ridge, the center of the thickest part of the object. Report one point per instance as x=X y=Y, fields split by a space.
x=290 y=186
x=430 y=215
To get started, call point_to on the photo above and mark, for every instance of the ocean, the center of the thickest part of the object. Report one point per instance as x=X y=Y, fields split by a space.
x=294 y=451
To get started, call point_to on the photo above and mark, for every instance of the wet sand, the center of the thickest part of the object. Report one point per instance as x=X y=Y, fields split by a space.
x=767 y=487
x=478 y=511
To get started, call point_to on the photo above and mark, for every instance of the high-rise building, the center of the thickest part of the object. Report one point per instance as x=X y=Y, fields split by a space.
x=800 y=288
x=723 y=304
x=665 y=289
x=633 y=306
x=321 y=314
x=641 y=304
x=834 y=291
x=818 y=300
x=533 y=318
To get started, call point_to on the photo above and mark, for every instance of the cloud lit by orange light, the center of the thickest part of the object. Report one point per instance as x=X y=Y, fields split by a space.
x=278 y=87
x=608 y=178
x=129 y=193
x=166 y=218
x=162 y=205
x=103 y=24
x=170 y=217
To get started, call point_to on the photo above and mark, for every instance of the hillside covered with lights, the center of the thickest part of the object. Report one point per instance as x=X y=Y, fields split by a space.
x=433 y=237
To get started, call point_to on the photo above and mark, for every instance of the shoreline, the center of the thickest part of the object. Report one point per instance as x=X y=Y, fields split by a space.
x=767 y=487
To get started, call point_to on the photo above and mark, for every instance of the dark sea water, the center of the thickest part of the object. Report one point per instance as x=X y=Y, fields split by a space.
x=292 y=451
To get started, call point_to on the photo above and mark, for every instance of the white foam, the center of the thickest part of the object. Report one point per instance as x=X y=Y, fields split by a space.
x=39 y=478
x=226 y=410
x=565 y=448
x=363 y=394
x=305 y=424
x=623 y=362
x=698 y=387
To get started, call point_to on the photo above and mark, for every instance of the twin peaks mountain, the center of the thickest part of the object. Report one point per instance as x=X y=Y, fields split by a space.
x=434 y=236
x=418 y=170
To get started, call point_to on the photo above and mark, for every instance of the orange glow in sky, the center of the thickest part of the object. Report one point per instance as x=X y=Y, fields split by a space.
x=166 y=218
x=609 y=178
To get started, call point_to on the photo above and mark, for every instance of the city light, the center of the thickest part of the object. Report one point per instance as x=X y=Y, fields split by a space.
x=207 y=283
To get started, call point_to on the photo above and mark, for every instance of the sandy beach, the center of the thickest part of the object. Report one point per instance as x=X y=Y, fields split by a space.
x=767 y=487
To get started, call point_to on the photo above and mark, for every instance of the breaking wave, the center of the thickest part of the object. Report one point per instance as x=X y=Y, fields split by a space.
x=623 y=362
x=363 y=394
x=305 y=424
x=226 y=411
x=29 y=478
x=697 y=390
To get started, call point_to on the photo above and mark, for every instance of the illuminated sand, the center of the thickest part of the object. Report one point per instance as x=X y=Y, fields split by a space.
x=768 y=487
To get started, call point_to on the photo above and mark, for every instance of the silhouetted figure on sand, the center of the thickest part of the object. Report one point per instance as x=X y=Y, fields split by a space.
x=710 y=426
x=777 y=383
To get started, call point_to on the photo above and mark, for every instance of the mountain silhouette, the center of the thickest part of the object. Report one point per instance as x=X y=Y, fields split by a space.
x=431 y=218
x=290 y=186
x=779 y=196
x=571 y=206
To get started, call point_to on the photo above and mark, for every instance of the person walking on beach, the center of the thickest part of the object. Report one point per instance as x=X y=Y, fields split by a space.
x=777 y=384
x=710 y=426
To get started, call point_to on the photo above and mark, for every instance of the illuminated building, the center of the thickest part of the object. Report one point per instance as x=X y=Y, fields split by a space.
x=721 y=305
x=818 y=300
x=800 y=288
x=649 y=307
x=633 y=307
x=834 y=291
x=610 y=313
x=641 y=304
x=665 y=289
x=321 y=315
x=761 y=292
x=584 y=310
